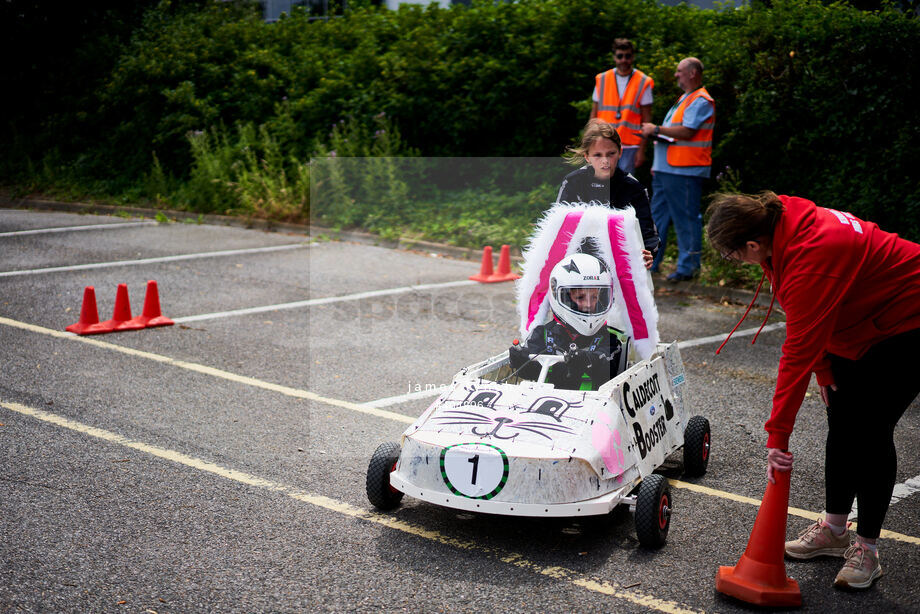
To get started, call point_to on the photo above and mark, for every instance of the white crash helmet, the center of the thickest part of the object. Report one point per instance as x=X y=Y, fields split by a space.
x=580 y=271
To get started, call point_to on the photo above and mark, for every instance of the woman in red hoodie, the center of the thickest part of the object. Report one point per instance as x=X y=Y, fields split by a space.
x=851 y=293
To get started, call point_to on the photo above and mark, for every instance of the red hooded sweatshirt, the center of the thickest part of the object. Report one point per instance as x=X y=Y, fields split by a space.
x=845 y=285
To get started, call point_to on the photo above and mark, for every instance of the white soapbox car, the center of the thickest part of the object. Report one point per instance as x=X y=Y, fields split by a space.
x=497 y=444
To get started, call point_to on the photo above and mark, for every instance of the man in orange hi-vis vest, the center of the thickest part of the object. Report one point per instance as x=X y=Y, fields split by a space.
x=683 y=157
x=623 y=98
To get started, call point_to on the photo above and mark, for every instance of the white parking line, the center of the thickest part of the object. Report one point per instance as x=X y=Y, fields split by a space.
x=321 y=301
x=104 y=265
x=901 y=491
x=747 y=332
x=341 y=507
x=429 y=391
x=40 y=231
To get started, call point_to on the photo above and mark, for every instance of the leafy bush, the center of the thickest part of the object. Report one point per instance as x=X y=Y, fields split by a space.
x=822 y=106
x=812 y=98
x=185 y=71
x=246 y=173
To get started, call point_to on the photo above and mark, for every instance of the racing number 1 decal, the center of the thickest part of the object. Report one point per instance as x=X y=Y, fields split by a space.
x=474 y=470
x=475 y=461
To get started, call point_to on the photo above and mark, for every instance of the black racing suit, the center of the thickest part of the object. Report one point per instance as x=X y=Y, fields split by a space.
x=596 y=360
x=620 y=191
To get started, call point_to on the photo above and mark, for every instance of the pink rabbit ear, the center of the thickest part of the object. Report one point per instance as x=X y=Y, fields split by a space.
x=636 y=291
x=625 y=276
x=557 y=251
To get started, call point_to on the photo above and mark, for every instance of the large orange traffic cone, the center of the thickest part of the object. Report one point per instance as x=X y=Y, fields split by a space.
x=151 y=315
x=485 y=270
x=504 y=267
x=89 y=316
x=121 y=316
x=760 y=576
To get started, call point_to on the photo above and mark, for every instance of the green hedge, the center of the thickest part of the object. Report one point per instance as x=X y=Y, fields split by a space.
x=812 y=99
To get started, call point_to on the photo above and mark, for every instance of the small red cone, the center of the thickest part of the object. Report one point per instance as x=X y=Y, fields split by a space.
x=504 y=267
x=151 y=315
x=121 y=317
x=485 y=270
x=89 y=316
x=760 y=575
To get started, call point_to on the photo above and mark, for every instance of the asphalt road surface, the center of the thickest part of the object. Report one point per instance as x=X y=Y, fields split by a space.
x=218 y=464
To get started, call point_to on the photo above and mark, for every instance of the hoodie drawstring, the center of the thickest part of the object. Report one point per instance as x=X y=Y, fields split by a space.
x=767 y=317
x=746 y=311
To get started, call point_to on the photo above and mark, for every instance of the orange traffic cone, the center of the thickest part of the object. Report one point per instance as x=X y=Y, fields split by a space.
x=760 y=576
x=485 y=270
x=504 y=267
x=89 y=316
x=151 y=315
x=121 y=316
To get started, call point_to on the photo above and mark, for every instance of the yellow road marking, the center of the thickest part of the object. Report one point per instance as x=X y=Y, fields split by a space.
x=341 y=507
x=366 y=409
x=793 y=511
x=233 y=377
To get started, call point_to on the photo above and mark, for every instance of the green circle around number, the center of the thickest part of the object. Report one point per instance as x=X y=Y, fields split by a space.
x=496 y=490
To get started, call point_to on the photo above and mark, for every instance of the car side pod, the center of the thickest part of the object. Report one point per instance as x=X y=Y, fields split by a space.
x=760 y=575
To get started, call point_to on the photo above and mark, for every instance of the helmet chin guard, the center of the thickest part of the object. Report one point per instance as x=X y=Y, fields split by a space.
x=580 y=293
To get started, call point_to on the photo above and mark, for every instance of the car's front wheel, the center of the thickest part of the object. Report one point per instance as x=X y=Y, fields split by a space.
x=653 y=511
x=379 y=492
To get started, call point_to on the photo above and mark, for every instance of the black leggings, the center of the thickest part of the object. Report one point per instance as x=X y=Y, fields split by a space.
x=872 y=394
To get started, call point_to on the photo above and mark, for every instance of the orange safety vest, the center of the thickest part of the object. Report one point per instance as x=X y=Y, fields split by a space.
x=698 y=150
x=623 y=114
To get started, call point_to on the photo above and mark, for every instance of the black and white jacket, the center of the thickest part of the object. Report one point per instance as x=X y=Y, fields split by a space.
x=620 y=191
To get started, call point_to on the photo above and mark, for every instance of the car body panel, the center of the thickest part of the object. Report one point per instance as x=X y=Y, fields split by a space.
x=525 y=448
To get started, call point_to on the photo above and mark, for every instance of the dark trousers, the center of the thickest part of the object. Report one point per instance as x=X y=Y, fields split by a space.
x=872 y=394
x=676 y=198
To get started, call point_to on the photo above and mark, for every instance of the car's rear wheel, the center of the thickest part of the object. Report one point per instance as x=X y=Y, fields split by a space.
x=697 y=439
x=653 y=511
x=379 y=492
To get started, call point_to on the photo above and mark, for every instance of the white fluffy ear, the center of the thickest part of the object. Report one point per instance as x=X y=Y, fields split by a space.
x=550 y=243
x=635 y=296
x=617 y=240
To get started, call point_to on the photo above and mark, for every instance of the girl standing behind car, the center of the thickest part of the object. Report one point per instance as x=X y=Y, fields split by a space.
x=601 y=182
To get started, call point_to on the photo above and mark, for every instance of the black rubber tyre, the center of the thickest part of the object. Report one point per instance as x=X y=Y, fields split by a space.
x=697 y=440
x=379 y=492
x=653 y=511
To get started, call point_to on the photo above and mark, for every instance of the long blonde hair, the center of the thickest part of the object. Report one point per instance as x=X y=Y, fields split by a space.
x=595 y=129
